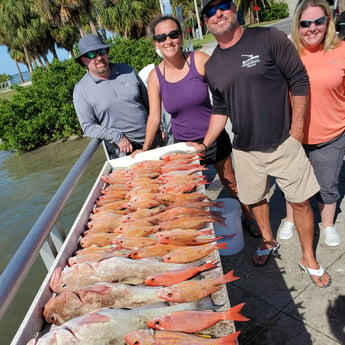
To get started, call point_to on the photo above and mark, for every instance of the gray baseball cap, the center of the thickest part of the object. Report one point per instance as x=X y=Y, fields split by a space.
x=90 y=43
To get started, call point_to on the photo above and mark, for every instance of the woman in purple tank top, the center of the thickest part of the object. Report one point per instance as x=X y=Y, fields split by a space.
x=178 y=83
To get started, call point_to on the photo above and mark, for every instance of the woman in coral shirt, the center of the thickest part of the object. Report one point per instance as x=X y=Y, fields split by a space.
x=323 y=54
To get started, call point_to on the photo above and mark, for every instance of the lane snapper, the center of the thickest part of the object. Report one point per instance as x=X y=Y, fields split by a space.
x=181 y=187
x=96 y=256
x=181 y=157
x=177 y=276
x=150 y=337
x=185 y=238
x=141 y=213
x=177 y=212
x=151 y=251
x=192 y=290
x=196 y=204
x=172 y=166
x=192 y=253
x=98 y=239
x=190 y=222
x=191 y=321
x=169 y=198
x=93 y=249
x=135 y=242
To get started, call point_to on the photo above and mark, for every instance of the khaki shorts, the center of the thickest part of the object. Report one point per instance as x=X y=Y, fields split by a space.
x=288 y=164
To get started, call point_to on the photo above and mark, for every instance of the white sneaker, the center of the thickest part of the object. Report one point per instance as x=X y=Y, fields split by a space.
x=287 y=230
x=331 y=236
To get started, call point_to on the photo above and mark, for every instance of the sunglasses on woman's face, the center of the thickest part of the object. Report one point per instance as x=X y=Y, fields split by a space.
x=94 y=53
x=163 y=37
x=223 y=6
x=318 y=22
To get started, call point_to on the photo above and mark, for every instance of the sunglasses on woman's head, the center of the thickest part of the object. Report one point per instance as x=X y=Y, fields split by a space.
x=223 y=6
x=318 y=22
x=94 y=53
x=163 y=37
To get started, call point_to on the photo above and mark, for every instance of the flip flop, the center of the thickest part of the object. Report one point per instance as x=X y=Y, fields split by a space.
x=252 y=227
x=317 y=273
x=265 y=252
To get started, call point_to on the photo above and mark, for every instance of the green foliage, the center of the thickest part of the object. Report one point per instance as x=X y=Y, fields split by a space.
x=138 y=53
x=278 y=9
x=43 y=112
x=4 y=77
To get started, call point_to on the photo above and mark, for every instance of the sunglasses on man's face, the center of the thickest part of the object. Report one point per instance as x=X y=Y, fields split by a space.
x=223 y=6
x=163 y=37
x=318 y=22
x=94 y=53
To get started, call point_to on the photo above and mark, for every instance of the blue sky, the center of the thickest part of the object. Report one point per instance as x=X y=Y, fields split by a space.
x=8 y=66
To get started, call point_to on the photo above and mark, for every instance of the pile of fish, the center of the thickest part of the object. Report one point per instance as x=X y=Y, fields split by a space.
x=146 y=271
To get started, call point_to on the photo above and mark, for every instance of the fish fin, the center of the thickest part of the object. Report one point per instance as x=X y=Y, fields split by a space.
x=222 y=245
x=234 y=313
x=228 y=339
x=55 y=278
x=94 y=317
x=100 y=289
x=229 y=277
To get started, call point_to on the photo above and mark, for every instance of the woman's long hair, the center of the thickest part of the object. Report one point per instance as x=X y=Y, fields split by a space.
x=330 y=40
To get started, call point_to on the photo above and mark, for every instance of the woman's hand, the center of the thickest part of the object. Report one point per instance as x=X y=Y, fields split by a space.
x=133 y=154
x=199 y=147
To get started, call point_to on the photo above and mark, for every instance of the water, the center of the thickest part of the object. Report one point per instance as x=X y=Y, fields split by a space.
x=15 y=79
x=27 y=183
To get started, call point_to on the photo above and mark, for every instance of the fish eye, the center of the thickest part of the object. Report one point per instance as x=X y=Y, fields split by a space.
x=169 y=294
x=52 y=318
x=64 y=285
x=157 y=322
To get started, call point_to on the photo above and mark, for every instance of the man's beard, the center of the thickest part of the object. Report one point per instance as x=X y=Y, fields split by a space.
x=217 y=31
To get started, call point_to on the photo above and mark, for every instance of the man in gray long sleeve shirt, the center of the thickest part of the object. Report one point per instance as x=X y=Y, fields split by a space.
x=110 y=100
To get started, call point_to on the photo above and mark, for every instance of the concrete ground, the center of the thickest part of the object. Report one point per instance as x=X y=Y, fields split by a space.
x=283 y=304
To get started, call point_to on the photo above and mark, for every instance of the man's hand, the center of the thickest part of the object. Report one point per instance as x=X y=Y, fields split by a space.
x=297 y=133
x=125 y=145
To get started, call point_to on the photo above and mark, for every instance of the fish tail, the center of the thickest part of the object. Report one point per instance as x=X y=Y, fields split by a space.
x=234 y=313
x=208 y=265
x=106 y=179
x=206 y=232
x=217 y=238
x=220 y=220
x=222 y=245
x=228 y=339
x=229 y=277
x=218 y=204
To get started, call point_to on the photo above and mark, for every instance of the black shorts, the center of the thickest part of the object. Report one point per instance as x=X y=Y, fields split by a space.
x=216 y=152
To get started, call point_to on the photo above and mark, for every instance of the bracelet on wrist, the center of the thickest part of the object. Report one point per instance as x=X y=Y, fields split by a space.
x=205 y=147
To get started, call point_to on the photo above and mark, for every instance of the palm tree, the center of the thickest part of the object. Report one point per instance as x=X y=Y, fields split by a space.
x=67 y=13
x=128 y=19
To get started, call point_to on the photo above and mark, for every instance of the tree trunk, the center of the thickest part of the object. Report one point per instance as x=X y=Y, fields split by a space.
x=19 y=73
x=92 y=25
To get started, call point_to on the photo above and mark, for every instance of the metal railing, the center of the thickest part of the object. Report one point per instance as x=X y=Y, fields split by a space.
x=16 y=271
